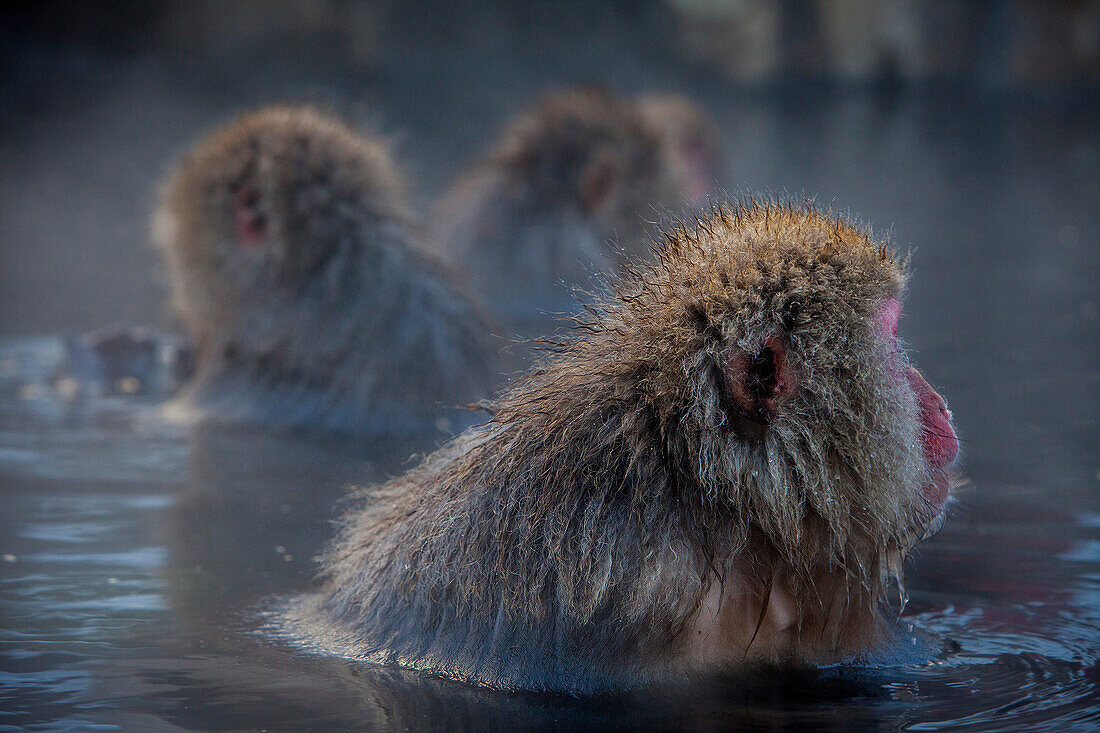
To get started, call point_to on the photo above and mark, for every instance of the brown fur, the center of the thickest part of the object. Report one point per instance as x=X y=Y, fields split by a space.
x=324 y=312
x=578 y=170
x=613 y=523
x=690 y=143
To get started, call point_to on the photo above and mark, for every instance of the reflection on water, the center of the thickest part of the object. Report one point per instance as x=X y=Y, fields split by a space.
x=140 y=560
x=140 y=601
x=139 y=598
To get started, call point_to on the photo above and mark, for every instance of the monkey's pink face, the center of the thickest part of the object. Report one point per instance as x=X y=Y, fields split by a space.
x=696 y=166
x=938 y=438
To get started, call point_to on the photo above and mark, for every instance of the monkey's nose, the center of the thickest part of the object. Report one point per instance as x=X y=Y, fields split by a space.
x=941 y=444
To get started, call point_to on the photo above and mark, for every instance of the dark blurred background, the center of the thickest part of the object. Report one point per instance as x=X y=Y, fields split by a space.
x=969 y=130
x=98 y=99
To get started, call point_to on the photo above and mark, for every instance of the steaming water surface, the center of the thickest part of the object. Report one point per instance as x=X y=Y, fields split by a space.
x=141 y=559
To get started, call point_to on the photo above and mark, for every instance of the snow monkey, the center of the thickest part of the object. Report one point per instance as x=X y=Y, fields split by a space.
x=691 y=144
x=294 y=265
x=722 y=467
x=569 y=188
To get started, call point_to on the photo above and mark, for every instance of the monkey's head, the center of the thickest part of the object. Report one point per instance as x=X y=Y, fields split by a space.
x=267 y=210
x=690 y=143
x=591 y=152
x=759 y=359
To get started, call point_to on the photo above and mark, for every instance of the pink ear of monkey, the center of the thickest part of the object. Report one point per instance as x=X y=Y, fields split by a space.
x=758 y=384
x=251 y=224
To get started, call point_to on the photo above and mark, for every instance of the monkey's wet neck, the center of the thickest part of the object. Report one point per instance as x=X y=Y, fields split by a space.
x=781 y=621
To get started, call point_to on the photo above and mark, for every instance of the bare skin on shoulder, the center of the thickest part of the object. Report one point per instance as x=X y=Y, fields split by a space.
x=295 y=266
x=722 y=468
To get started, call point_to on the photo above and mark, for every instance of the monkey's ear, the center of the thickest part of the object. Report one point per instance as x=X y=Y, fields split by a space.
x=249 y=220
x=756 y=384
x=600 y=181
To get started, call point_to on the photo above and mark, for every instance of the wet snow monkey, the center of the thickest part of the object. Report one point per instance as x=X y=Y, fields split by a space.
x=570 y=186
x=691 y=144
x=723 y=467
x=294 y=266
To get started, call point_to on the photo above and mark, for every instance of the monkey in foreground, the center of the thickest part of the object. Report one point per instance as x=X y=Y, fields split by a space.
x=722 y=468
x=294 y=266
x=691 y=144
x=574 y=172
